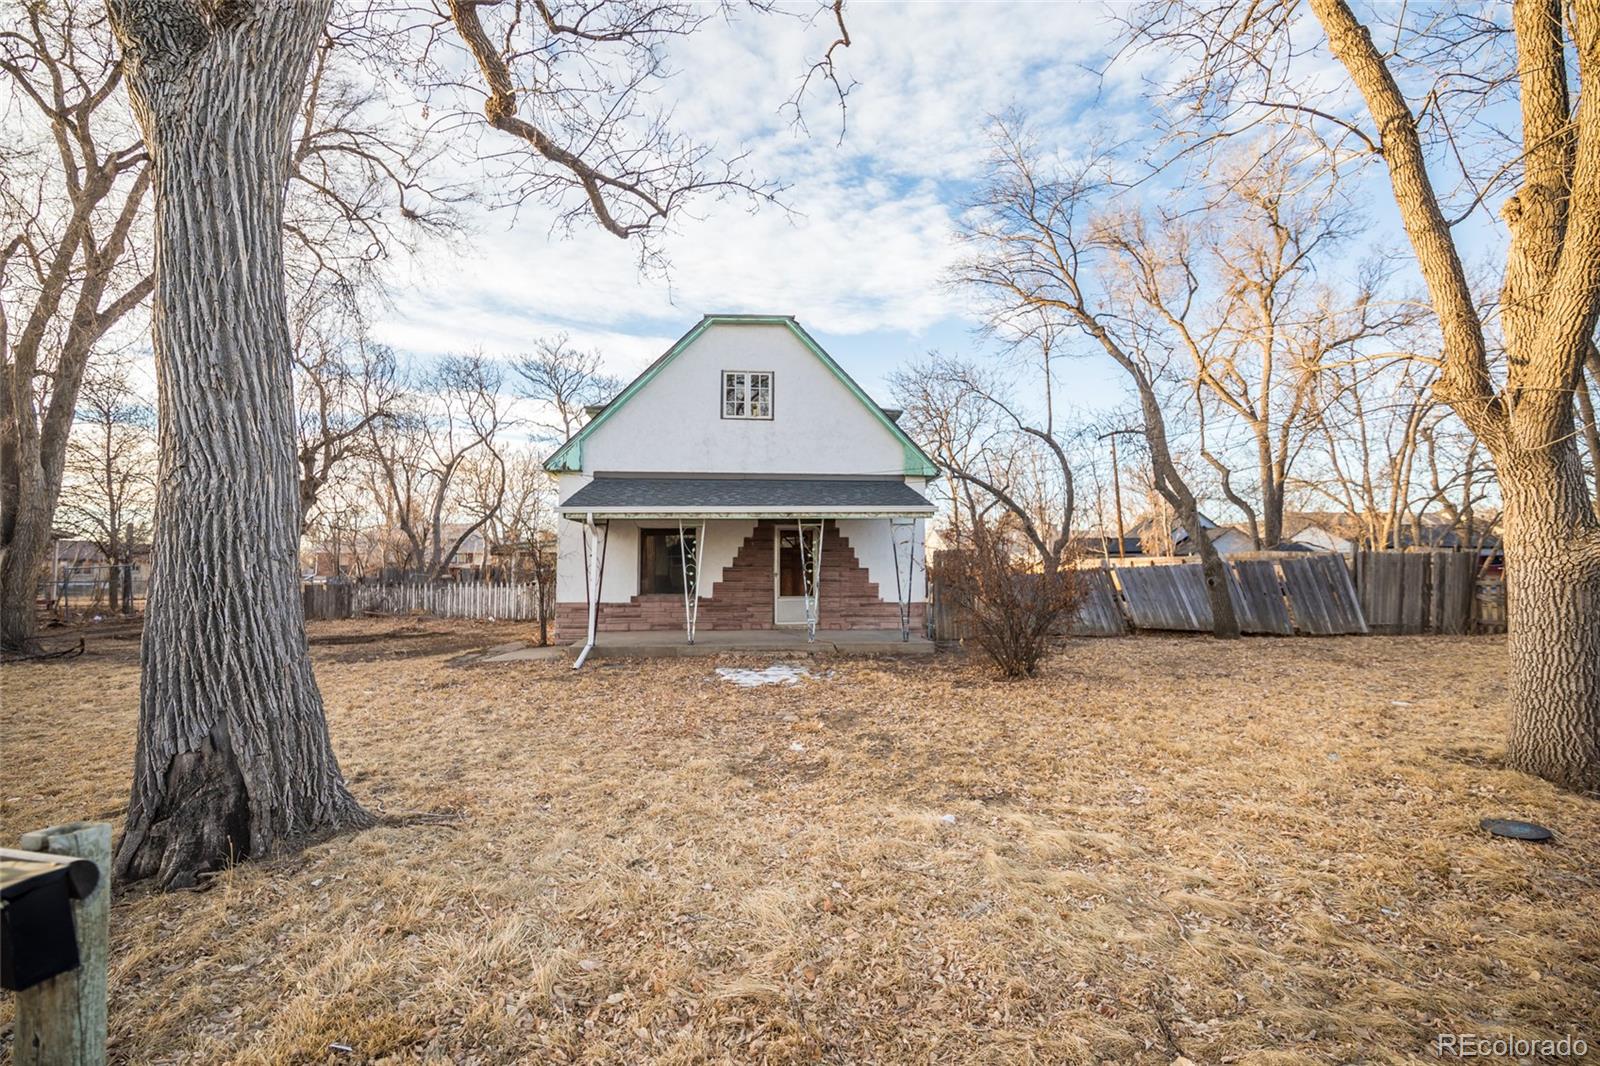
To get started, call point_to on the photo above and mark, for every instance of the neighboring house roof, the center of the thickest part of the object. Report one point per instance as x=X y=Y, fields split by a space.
x=1437 y=532
x=1096 y=542
x=745 y=497
x=569 y=457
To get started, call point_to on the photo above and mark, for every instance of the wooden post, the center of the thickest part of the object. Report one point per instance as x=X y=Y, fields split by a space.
x=62 y=1021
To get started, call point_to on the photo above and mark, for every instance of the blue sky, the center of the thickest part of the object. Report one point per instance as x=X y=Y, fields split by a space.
x=862 y=251
x=861 y=254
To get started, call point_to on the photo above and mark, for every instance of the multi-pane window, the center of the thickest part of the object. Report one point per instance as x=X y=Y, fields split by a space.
x=746 y=394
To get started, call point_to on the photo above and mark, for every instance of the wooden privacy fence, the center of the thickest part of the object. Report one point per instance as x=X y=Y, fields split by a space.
x=1272 y=592
x=1428 y=592
x=1098 y=615
x=1280 y=593
x=327 y=601
x=462 y=599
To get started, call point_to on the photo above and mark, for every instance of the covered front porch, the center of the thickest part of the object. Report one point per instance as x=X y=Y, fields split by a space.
x=745 y=563
x=663 y=645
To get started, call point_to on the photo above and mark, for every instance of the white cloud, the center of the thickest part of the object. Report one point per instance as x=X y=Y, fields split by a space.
x=869 y=238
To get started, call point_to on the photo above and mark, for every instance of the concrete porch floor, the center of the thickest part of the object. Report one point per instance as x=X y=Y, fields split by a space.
x=660 y=645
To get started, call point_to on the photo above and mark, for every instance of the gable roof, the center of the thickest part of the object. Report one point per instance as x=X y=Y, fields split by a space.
x=569 y=457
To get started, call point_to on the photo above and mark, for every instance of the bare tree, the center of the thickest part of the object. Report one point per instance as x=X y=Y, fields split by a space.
x=512 y=487
x=568 y=93
x=1013 y=607
x=425 y=451
x=1367 y=420
x=72 y=190
x=1237 y=285
x=988 y=444
x=1042 y=260
x=564 y=380
x=74 y=201
x=343 y=384
x=1428 y=104
x=108 y=487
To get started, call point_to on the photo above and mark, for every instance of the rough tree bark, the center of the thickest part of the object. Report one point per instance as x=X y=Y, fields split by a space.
x=233 y=756
x=1550 y=300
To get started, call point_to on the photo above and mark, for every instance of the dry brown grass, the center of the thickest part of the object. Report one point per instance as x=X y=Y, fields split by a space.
x=1245 y=852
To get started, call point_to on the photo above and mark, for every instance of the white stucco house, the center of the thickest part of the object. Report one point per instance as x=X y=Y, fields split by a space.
x=743 y=481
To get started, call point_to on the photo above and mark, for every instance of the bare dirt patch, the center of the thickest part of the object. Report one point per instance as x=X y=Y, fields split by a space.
x=1259 y=852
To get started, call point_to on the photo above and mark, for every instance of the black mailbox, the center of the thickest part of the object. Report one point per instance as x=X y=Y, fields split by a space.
x=37 y=939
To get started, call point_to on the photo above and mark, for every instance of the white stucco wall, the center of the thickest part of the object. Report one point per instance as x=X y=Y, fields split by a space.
x=675 y=424
x=874 y=549
x=1232 y=541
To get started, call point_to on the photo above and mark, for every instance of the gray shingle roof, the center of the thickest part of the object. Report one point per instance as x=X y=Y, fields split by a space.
x=809 y=495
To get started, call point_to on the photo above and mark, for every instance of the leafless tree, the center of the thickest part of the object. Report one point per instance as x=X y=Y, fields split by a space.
x=1043 y=256
x=76 y=261
x=1427 y=95
x=1013 y=607
x=1367 y=421
x=991 y=448
x=72 y=190
x=343 y=384
x=423 y=453
x=108 y=487
x=1237 y=286
x=513 y=488
x=563 y=380
x=568 y=94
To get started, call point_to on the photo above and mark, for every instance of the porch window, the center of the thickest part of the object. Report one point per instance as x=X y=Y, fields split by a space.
x=746 y=394
x=661 y=557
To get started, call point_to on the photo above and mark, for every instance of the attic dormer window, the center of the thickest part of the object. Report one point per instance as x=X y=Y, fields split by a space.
x=746 y=394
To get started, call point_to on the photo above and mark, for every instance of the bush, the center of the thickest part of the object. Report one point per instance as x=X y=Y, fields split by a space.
x=1011 y=601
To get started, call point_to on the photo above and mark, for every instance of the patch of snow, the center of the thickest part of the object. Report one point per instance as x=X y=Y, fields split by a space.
x=797 y=746
x=948 y=819
x=776 y=674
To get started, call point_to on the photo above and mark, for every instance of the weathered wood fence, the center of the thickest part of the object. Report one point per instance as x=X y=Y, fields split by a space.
x=461 y=599
x=1428 y=592
x=327 y=601
x=1281 y=593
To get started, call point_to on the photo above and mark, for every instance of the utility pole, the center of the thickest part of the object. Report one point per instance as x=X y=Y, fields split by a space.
x=1116 y=487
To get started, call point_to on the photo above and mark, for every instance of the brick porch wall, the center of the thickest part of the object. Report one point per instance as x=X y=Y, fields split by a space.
x=741 y=598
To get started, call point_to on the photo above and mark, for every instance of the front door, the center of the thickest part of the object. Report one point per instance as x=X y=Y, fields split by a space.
x=788 y=580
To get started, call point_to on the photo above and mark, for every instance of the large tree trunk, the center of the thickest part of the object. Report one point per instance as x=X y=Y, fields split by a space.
x=1224 y=622
x=1553 y=615
x=233 y=755
x=26 y=544
x=1172 y=487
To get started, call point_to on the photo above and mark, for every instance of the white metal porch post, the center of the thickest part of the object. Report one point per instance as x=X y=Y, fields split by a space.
x=691 y=577
x=903 y=535
x=811 y=576
x=594 y=543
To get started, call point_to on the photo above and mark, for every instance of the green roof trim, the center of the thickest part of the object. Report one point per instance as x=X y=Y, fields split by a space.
x=569 y=457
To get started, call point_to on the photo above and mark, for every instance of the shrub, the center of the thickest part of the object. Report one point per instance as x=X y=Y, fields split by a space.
x=1011 y=601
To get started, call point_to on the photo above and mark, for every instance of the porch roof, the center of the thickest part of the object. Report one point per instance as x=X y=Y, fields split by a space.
x=728 y=497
